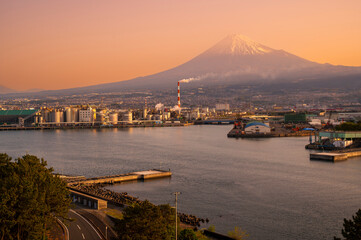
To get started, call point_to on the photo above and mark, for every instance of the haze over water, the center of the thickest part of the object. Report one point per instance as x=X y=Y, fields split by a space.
x=269 y=187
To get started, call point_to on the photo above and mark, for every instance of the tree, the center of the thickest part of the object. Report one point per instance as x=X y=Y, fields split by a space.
x=31 y=196
x=187 y=234
x=352 y=228
x=144 y=220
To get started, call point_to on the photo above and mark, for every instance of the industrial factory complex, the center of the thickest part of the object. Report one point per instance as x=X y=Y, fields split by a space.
x=92 y=115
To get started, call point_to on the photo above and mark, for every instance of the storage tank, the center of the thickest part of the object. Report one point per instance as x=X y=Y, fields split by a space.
x=100 y=116
x=128 y=117
x=59 y=116
x=46 y=115
x=75 y=114
x=145 y=112
x=68 y=115
x=113 y=118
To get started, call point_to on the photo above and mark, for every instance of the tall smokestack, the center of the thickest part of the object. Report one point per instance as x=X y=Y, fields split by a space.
x=178 y=95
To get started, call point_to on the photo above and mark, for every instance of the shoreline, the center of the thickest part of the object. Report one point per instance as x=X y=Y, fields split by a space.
x=95 y=127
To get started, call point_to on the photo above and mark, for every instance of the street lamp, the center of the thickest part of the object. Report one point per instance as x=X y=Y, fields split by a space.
x=176 y=217
x=106 y=232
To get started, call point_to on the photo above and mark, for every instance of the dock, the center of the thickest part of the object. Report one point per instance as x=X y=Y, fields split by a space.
x=140 y=175
x=334 y=156
x=331 y=157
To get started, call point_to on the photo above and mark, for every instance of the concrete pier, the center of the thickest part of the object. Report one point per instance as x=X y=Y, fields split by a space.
x=141 y=175
x=334 y=156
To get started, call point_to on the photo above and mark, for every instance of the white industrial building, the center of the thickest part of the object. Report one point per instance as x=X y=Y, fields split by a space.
x=257 y=127
x=86 y=115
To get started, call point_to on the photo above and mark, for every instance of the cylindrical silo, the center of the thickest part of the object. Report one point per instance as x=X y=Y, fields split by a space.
x=113 y=118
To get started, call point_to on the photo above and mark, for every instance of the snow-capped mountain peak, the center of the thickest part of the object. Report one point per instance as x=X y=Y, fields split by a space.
x=237 y=44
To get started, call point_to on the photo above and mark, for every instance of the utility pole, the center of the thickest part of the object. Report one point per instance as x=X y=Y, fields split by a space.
x=176 y=216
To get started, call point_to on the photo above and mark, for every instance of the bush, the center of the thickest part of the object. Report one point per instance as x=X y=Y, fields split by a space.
x=187 y=234
x=238 y=234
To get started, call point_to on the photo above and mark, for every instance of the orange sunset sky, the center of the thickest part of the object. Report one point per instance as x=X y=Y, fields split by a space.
x=71 y=43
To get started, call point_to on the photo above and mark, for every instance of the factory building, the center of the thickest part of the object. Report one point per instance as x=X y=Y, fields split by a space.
x=349 y=117
x=86 y=115
x=18 y=117
x=296 y=118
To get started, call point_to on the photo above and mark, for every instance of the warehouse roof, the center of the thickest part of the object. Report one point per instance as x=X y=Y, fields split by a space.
x=17 y=112
x=256 y=123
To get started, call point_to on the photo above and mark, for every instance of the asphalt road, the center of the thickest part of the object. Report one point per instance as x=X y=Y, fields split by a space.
x=81 y=229
x=99 y=224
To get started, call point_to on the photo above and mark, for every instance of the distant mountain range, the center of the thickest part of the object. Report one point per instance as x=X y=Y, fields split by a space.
x=238 y=60
x=6 y=90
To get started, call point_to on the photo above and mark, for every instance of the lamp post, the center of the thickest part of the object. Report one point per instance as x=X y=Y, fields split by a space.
x=106 y=232
x=176 y=217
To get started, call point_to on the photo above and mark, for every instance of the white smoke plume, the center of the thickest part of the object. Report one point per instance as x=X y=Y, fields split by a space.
x=204 y=76
x=159 y=106
x=187 y=80
x=176 y=108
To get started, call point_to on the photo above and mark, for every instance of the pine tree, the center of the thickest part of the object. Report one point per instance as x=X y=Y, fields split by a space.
x=31 y=197
x=352 y=228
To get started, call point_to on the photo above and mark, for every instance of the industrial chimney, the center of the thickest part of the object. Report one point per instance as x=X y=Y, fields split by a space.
x=178 y=96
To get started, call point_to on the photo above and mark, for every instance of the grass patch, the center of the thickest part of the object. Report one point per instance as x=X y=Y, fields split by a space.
x=114 y=213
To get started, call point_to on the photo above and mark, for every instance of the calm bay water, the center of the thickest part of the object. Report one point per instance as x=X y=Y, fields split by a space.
x=269 y=187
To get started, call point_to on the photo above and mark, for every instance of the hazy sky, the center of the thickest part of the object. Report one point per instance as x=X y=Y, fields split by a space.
x=69 y=43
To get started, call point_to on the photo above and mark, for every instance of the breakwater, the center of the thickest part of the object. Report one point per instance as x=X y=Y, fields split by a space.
x=141 y=175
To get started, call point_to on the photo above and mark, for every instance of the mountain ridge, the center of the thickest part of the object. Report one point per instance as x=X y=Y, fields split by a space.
x=236 y=59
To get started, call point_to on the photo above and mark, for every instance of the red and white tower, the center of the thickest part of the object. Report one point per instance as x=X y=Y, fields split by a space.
x=178 y=96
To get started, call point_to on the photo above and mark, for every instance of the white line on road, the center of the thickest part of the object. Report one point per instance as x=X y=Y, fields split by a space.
x=66 y=229
x=83 y=235
x=87 y=222
x=79 y=227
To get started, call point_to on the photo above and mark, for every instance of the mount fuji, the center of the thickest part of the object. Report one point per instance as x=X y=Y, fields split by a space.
x=236 y=60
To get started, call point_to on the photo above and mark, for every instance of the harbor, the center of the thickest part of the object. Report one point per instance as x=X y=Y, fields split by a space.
x=253 y=177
